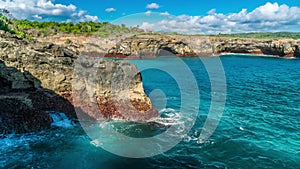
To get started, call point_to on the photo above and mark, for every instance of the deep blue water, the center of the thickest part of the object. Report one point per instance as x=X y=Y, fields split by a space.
x=259 y=128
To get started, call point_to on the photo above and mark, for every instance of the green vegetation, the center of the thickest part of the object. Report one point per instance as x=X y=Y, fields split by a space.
x=7 y=24
x=4 y=21
x=26 y=28
x=3 y=26
x=103 y=29
x=263 y=35
x=68 y=41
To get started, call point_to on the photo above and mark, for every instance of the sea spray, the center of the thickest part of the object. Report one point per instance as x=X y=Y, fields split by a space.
x=60 y=120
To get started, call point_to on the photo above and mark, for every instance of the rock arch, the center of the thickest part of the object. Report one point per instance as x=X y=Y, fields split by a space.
x=149 y=47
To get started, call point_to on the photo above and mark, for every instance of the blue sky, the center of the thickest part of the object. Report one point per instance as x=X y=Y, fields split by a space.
x=174 y=7
x=185 y=16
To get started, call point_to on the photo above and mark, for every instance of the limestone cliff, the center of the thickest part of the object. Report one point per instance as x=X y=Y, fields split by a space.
x=147 y=46
x=113 y=86
x=52 y=67
x=141 y=46
x=203 y=46
x=24 y=103
x=206 y=46
x=51 y=64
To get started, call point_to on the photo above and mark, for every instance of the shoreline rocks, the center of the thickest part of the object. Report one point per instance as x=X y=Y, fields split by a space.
x=43 y=75
x=276 y=47
x=150 y=46
x=114 y=87
x=23 y=102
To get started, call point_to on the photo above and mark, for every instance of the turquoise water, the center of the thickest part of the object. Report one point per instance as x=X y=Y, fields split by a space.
x=259 y=128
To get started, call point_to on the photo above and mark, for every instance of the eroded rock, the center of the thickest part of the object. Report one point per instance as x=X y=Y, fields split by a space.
x=114 y=87
x=145 y=47
x=46 y=66
x=23 y=107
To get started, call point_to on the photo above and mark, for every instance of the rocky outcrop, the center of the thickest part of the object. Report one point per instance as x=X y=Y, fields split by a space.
x=207 y=46
x=52 y=66
x=151 y=46
x=91 y=45
x=277 y=47
x=141 y=46
x=24 y=103
x=113 y=86
x=147 y=46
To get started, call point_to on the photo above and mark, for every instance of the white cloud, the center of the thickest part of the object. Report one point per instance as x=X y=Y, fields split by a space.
x=152 y=6
x=148 y=13
x=110 y=10
x=164 y=14
x=147 y=26
x=37 y=16
x=269 y=17
x=89 y=18
x=43 y=9
x=211 y=12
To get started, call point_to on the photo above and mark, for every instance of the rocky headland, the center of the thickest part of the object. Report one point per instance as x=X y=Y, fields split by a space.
x=143 y=47
x=139 y=47
x=149 y=46
x=68 y=73
x=37 y=77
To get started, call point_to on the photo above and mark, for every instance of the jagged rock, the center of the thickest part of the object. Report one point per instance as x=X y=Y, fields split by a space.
x=113 y=86
x=23 y=102
x=217 y=45
x=53 y=66
x=151 y=46
x=18 y=116
x=142 y=47
x=154 y=45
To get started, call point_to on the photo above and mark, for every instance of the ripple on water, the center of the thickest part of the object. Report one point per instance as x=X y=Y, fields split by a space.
x=260 y=126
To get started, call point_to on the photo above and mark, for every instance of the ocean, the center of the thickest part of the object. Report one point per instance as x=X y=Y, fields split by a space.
x=254 y=112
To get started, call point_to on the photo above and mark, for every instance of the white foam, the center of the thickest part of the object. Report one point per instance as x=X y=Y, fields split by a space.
x=60 y=120
x=170 y=117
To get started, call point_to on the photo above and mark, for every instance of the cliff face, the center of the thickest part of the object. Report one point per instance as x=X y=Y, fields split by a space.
x=141 y=47
x=153 y=45
x=281 y=47
x=204 y=46
x=51 y=64
x=113 y=86
x=52 y=67
x=23 y=102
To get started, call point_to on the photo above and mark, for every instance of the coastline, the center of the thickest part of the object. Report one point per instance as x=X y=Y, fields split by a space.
x=59 y=58
x=151 y=46
x=44 y=72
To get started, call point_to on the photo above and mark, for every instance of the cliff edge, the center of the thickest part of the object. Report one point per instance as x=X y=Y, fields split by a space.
x=145 y=46
x=51 y=67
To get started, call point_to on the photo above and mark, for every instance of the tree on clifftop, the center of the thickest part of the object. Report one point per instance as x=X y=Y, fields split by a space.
x=3 y=20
